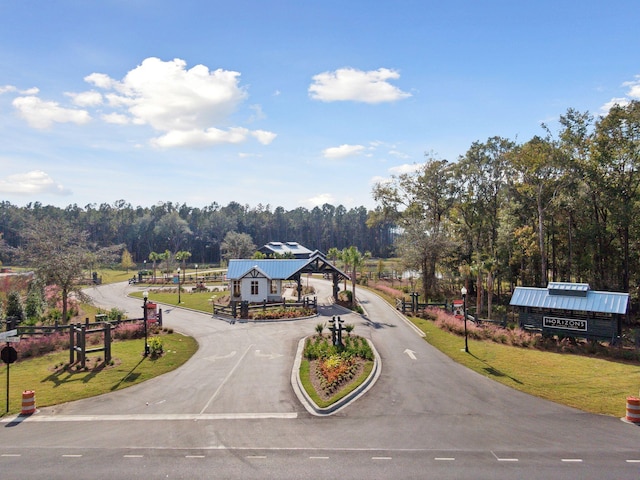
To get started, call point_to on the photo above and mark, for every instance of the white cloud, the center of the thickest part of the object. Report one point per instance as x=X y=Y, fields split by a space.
x=356 y=85
x=101 y=80
x=263 y=136
x=633 y=93
x=622 y=101
x=116 y=118
x=200 y=138
x=188 y=106
x=320 y=200
x=398 y=154
x=258 y=114
x=42 y=114
x=7 y=88
x=634 y=87
x=405 y=168
x=30 y=91
x=86 y=99
x=30 y=183
x=342 y=151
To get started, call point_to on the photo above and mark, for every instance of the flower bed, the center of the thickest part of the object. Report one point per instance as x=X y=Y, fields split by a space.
x=333 y=367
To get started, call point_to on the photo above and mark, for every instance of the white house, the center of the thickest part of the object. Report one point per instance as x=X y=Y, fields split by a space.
x=255 y=280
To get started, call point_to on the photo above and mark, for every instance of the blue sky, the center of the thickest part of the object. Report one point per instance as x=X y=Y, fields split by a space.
x=286 y=103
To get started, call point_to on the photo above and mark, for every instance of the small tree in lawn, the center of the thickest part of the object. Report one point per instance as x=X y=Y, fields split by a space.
x=35 y=304
x=59 y=252
x=126 y=261
x=15 y=307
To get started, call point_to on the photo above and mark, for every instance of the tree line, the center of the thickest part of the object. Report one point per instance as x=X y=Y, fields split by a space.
x=200 y=231
x=558 y=207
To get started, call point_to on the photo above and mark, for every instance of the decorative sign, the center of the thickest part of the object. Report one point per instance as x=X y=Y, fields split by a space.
x=565 y=323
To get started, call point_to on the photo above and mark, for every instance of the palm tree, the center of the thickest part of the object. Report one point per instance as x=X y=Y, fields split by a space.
x=491 y=266
x=355 y=259
x=154 y=257
x=333 y=254
x=183 y=256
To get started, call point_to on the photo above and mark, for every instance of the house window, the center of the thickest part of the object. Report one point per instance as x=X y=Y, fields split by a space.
x=254 y=287
x=274 y=287
x=236 y=288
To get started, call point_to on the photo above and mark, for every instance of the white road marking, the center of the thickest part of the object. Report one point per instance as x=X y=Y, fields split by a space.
x=68 y=455
x=572 y=460
x=381 y=458
x=226 y=379
x=11 y=455
x=445 y=459
x=411 y=353
x=213 y=358
x=270 y=356
x=153 y=417
x=132 y=456
x=503 y=459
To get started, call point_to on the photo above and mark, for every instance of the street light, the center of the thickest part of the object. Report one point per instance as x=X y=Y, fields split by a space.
x=196 y=274
x=145 y=296
x=463 y=291
x=179 y=286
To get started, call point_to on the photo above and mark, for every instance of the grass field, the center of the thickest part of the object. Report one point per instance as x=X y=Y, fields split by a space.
x=54 y=385
x=591 y=384
x=200 y=301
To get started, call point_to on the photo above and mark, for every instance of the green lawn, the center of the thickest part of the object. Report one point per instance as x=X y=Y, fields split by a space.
x=591 y=384
x=54 y=385
x=196 y=301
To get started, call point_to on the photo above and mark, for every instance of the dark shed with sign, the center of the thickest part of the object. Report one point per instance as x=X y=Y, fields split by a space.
x=571 y=309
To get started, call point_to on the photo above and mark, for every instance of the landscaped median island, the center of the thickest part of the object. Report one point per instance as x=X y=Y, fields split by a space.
x=333 y=370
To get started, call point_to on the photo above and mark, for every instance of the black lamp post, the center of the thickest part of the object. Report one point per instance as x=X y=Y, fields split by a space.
x=145 y=296
x=179 y=286
x=463 y=291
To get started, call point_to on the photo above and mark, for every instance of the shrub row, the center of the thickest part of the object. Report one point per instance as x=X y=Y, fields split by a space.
x=520 y=338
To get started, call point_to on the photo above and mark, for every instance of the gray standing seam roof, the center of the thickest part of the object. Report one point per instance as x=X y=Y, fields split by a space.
x=274 y=269
x=601 y=302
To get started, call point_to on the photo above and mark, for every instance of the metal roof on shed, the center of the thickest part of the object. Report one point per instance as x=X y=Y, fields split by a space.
x=601 y=302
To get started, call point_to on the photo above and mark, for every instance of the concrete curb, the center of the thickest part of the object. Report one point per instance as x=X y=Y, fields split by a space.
x=311 y=406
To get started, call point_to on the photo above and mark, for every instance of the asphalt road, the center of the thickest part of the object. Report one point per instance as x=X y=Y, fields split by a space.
x=231 y=412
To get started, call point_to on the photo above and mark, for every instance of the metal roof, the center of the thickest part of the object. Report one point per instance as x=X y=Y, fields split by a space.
x=273 y=269
x=284 y=248
x=592 y=301
x=282 y=269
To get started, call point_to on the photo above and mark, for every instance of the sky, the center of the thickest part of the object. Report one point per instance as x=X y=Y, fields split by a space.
x=289 y=103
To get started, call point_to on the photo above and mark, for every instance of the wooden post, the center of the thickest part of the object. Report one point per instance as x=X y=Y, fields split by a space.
x=83 y=345
x=72 y=346
x=107 y=343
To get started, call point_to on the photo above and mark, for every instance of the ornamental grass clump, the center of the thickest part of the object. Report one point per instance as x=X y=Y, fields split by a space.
x=485 y=331
x=37 y=346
